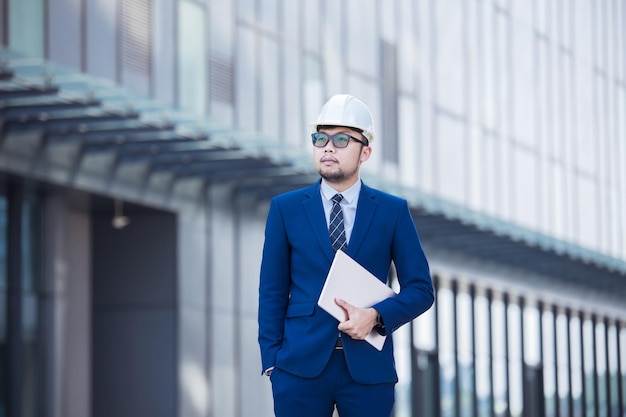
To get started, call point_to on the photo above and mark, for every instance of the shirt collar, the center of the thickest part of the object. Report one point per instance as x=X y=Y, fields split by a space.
x=350 y=195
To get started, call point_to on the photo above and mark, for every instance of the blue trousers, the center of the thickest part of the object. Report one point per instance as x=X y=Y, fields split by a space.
x=316 y=397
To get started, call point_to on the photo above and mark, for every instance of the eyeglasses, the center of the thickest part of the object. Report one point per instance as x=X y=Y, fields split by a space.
x=340 y=140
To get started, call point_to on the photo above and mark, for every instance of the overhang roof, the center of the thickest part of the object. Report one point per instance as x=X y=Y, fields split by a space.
x=71 y=129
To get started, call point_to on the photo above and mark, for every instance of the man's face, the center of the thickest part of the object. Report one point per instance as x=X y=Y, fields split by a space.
x=340 y=166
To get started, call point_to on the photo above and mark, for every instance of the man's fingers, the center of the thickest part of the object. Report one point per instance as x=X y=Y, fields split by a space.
x=344 y=304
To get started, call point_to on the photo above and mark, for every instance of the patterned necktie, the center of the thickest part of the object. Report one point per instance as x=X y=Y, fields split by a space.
x=337 y=233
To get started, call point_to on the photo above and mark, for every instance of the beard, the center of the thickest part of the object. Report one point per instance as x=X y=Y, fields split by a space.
x=334 y=176
x=337 y=175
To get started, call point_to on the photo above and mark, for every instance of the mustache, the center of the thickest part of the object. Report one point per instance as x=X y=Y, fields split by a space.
x=328 y=158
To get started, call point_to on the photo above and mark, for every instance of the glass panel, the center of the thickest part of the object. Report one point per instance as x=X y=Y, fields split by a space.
x=516 y=404
x=3 y=301
x=192 y=63
x=449 y=46
x=562 y=362
x=483 y=356
x=589 y=366
x=269 y=82
x=26 y=27
x=622 y=353
x=3 y=245
x=549 y=365
x=246 y=96
x=576 y=366
x=29 y=246
x=613 y=371
x=246 y=10
x=30 y=356
x=464 y=321
x=601 y=369
x=488 y=70
x=500 y=385
x=515 y=360
x=313 y=86
x=424 y=335
x=31 y=365
x=525 y=183
x=532 y=346
x=452 y=159
x=402 y=353
x=483 y=381
x=447 y=357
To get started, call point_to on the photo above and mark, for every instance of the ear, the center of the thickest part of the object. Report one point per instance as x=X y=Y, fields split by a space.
x=366 y=151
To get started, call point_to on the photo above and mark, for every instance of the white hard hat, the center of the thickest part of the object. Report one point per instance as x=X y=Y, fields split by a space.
x=346 y=110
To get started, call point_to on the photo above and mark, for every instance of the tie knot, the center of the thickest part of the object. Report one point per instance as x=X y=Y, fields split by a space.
x=337 y=198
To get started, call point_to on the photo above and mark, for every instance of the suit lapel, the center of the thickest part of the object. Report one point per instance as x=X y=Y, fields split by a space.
x=315 y=212
x=364 y=215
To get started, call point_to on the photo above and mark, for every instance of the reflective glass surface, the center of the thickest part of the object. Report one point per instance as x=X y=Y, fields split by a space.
x=3 y=302
x=3 y=244
x=516 y=393
x=447 y=354
x=532 y=340
x=500 y=383
x=483 y=356
x=562 y=344
x=576 y=365
x=31 y=343
x=601 y=370
x=26 y=26
x=622 y=353
x=464 y=319
x=549 y=365
x=192 y=64
x=613 y=370
x=589 y=366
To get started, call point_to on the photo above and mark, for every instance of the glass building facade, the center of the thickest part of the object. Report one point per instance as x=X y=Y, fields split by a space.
x=509 y=354
x=513 y=111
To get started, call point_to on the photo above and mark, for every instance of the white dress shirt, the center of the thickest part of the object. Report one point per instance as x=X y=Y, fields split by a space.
x=348 y=204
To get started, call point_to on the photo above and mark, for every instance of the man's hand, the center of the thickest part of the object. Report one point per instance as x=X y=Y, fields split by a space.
x=359 y=321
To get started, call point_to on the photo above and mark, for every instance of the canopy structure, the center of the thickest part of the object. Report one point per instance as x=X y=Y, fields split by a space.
x=74 y=130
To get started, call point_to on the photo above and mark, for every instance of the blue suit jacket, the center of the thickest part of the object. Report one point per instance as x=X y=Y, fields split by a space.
x=295 y=334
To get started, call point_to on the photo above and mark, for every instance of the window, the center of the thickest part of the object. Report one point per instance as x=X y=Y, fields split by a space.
x=601 y=371
x=549 y=363
x=31 y=344
x=447 y=354
x=389 y=62
x=622 y=354
x=20 y=343
x=465 y=352
x=499 y=358
x=3 y=303
x=26 y=27
x=192 y=63
x=576 y=365
x=483 y=354
x=516 y=393
x=562 y=362
x=533 y=382
x=589 y=366
x=136 y=44
x=613 y=369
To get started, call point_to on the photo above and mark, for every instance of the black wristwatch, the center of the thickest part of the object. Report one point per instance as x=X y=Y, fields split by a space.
x=380 y=326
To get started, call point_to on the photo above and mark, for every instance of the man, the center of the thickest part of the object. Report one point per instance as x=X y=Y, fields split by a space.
x=314 y=362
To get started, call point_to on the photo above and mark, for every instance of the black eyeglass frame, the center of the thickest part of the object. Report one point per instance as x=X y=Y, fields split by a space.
x=319 y=142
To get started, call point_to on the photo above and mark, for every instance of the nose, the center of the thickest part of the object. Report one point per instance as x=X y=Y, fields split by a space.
x=329 y=147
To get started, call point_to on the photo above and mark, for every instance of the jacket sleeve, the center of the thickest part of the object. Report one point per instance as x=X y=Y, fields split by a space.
x=273 y=286
x=416 y=290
